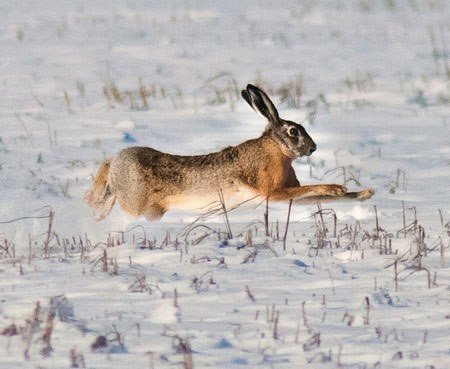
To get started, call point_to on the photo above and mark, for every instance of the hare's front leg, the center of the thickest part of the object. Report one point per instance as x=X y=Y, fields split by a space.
x=349 y=196
x=154 y=212
x=300 y=192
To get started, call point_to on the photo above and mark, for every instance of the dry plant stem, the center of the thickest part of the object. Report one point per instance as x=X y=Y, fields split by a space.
x=305 y=320
x=415 y=220
x=441 y=217
x=435 y=51
x=339 y=356
x=31 y=327
x=185 y=345
x=27 y=133
x=404 y=219
x=175 y=298
x=276 y=318
x=329 y=274
x=376 y=222
x=36 y=98
x=396 y=276
x=297 y=331
x=277 y=230
x=49 y=235
x=250 y=294
x=29 y=249
x=322 y=224
x=46 y=337
x=266 y=218
x=104 y=261
x=22 y=218
x=287 y=225
x=249 y=238
x=67 y=100
x=186 y=235
x=227 y=223
x=366 y=318
x=444 y=48
x=250 y=258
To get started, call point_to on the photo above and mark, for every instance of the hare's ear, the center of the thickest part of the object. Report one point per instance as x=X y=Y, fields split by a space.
x=259 y=101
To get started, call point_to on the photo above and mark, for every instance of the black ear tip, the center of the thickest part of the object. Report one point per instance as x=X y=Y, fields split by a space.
x=245 y=95
x=251 y=87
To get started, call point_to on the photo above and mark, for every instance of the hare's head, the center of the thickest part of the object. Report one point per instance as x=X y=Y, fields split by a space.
x=291 y=136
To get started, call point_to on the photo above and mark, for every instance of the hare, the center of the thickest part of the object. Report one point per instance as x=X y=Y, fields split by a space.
x=148 y=182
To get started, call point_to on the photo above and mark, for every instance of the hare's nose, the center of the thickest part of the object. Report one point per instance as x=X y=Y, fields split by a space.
x=312 y=149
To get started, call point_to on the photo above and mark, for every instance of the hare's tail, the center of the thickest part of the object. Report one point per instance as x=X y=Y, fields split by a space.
x=99 y=196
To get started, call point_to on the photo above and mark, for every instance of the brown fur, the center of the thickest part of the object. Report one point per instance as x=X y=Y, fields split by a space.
x=149 y=182
x=95 y=195
x=99 y=196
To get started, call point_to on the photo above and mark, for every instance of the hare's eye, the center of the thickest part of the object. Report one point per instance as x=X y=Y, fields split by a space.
x=293 y=132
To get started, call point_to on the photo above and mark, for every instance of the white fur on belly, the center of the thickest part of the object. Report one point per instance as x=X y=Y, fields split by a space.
x=199 y=201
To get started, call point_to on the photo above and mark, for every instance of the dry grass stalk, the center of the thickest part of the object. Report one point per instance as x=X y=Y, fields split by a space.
x=104 y=261
x=441 y=217
x=49 y=235
x=184 y=347
x=444 y=49
x=367 y=307
x=312 y=342
x=68 y=102
x=143 y=94
x=27 y=133
x=396 y=275
x=249 y=238
x=175 y=298
x=249 y=294
x=135 y=99
x=305 y=319
x=10 y=330
x=46 y=337
x=250 y=258
x=292 y=92
x=76 y=358
x=377 y=226
x=348 y=319
x=339 y=356
x=404 y=219
x=276 y=318
x=31 y=327
x=266 y=218
x=297 y=332
x=287 y=225
x=425 y=336
x=437 y=71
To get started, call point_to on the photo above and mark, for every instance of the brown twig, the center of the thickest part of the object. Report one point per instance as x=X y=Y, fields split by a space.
x=287 y=225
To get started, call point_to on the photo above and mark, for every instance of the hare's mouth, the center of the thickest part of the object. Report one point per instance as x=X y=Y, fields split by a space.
x=311 y=150
x=305 y=151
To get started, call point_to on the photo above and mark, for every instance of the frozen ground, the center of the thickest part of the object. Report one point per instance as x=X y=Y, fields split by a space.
x=374 y=94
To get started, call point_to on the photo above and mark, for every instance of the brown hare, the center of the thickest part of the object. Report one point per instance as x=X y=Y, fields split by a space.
x=148 y=182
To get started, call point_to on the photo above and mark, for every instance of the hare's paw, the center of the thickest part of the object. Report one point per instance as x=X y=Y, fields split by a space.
x=365 y=194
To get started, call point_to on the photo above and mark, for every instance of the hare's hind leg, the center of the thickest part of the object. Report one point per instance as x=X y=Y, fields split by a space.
x=105 y=208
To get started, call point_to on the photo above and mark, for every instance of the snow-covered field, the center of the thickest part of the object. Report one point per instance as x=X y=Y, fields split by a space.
x=369 y=80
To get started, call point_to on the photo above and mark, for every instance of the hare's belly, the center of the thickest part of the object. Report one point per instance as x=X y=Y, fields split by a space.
x=209 y=199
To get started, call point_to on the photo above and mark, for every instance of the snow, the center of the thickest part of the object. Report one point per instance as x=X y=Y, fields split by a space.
x=376 y=102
